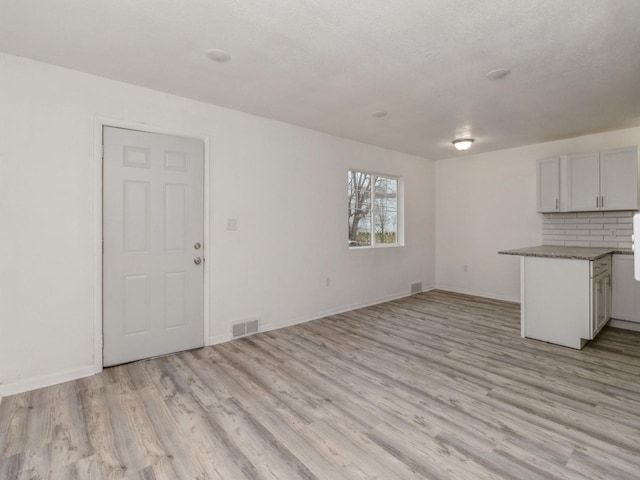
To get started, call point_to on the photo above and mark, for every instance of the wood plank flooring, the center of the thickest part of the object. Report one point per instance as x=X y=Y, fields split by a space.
x=437 y=385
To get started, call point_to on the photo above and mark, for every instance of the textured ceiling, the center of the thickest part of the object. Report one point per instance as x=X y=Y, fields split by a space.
x=327 y=64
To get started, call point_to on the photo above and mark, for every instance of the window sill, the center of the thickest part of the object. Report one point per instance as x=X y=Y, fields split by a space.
x=374 y=247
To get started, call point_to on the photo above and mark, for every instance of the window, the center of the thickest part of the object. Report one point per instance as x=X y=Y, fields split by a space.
x=373 y=209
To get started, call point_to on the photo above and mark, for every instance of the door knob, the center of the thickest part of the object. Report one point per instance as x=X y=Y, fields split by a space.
x=197 y=245
x=197 y=260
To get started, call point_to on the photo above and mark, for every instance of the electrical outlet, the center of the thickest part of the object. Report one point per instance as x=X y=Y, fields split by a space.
x=232 y=224
x=613 y=233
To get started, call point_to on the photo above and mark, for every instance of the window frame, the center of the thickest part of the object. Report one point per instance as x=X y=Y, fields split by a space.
x=399 y=210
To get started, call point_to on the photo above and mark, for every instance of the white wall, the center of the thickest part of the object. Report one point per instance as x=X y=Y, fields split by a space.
x=285 y=185
x=487 y=202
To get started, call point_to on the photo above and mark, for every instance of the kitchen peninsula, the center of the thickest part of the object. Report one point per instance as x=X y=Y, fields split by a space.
x=565 y=292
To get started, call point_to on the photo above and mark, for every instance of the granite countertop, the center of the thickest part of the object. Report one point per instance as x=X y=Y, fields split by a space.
x=575 y=253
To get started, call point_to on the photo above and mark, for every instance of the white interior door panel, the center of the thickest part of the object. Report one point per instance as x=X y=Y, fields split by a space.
x=153 y=220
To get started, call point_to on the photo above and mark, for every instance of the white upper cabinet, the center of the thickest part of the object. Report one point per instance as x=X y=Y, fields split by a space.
x=549 y=185
x=590 y=182
x=619 y=179
x=583 y=182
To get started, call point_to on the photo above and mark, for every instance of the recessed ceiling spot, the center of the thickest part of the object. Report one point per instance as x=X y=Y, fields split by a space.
x=379 y=114
x=498 y=73
x=463 y=143
x=218 y=55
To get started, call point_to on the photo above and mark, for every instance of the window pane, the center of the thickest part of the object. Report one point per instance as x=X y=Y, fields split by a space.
x=362 y=235
x=387 y=187
x=387 y=227
x=386 y=210
x=359 y=191
x=390 y=203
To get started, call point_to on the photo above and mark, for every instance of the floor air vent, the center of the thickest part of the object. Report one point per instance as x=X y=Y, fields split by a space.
x=239 y=330
x=416 y=287
x=245 y=328
x=252 y=326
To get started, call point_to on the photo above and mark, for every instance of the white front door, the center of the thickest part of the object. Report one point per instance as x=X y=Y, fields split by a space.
x=153 y=224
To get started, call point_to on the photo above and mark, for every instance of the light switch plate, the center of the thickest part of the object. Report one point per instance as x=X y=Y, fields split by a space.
x=232 y=224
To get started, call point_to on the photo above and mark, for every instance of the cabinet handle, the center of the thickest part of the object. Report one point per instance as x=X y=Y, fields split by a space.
x=602 y=202
x=556 y=204
x=597 y=202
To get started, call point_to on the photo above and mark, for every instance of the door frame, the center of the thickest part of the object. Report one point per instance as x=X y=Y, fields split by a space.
x=99 y=124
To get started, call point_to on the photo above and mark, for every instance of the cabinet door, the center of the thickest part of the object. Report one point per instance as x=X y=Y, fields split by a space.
x=607 y=297
x=599 y=299
x=619 y=179
x=625 y=302
x=583 y=182
x=549 y=185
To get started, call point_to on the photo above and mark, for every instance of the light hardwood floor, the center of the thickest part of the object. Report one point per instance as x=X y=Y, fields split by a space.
x=437 y=385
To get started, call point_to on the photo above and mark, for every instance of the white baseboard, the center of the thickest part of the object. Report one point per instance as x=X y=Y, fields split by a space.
x=216 y=339
x=477 y=293
x=73 y=374
x=268 y=326
x=42 y=381
x=624 y=324
x=332 y=311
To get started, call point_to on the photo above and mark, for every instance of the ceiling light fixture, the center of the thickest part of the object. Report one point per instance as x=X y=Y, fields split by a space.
x=498 y=73
x=379 y=114
x=463 y=143
x=218 y=55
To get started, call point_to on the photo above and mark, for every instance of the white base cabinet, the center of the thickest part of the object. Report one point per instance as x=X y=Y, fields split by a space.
x=625 y=290
x=564 y=301
x=600 y=301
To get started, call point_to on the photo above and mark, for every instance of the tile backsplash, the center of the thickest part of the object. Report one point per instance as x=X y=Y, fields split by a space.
x=588 y=229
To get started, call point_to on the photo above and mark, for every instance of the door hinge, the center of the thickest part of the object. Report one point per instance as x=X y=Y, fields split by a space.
x=102 y=151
